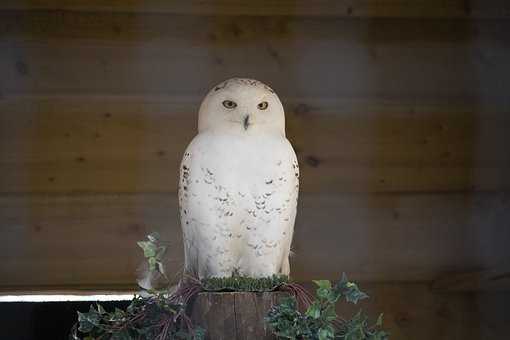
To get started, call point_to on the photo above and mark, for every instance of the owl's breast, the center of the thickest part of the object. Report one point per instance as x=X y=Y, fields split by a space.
x=238 y=201
x=251 y=165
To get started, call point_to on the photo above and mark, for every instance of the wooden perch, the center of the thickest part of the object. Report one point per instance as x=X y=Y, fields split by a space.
x=234 y=315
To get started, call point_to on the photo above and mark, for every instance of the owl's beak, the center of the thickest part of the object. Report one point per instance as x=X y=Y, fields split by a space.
x=246 y=122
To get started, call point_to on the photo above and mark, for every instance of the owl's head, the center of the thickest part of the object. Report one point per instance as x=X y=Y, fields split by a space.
x=242 y=105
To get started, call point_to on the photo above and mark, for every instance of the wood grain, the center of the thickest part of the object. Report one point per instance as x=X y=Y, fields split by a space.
x=69 y=53
x=340 y=8
x=414 y=311
x=496 y=279
x=134 y=144
x=401 y=126
x=234 y=315
x=90 y=240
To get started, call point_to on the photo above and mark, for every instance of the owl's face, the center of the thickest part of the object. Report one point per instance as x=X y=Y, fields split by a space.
x=242 y=105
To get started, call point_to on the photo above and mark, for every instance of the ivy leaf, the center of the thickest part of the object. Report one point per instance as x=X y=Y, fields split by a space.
x=152 y=263
x=320 y=317
x=330 y=313
x=117 y=315
x=350 y=290
x=149 y=248
x=326 y=333
x=379 y=320
x=380 y=335
x=88 y=320
x=353 y=294
x=325 y=284
x=323 y=293
x=314 y=311
x=100 y=309
x=199 y=333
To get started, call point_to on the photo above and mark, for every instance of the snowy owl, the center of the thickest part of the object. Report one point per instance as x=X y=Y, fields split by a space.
x=239 y=183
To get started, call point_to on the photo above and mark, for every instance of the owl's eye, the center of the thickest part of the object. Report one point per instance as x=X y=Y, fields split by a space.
x=262 y=105
x=229 y=104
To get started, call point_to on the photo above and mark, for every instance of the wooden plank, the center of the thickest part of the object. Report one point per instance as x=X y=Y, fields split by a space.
x=411 y=311
x=120 y=53
x=414 y=311
x=134 y=144
x=90 y=240
x=497 y=279
x=342 y=8
x=400 y=237
x=67 y=236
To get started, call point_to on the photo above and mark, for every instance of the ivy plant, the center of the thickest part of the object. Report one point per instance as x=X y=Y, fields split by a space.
x=146 y=318
x=161 y=315
x=320 y=320
x=154 y=251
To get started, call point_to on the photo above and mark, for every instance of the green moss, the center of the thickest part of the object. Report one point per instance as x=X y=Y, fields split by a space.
x=238 y=283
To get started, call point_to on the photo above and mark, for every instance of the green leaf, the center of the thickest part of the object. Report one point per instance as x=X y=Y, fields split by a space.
x=350 y=290
x=100 y=309
x=323 y=293
x=326 y=284
x=317 y=323
x=149 y=248
x=379 y=320
x=326 y=333
x=333 y=296
x=199 y=333
x=330 y=313
x=314 y=311
x=379 y=335
x=152 y=263
x=353 y=294
x=88 y=320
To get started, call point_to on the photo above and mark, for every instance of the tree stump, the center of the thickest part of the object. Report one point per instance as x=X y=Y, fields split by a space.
x=234 y=315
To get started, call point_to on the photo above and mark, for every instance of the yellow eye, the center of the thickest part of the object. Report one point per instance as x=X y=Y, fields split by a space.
x=229 y=104
x=262 y=105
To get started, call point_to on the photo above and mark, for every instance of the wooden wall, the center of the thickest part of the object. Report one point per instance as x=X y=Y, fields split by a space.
x=399 y=112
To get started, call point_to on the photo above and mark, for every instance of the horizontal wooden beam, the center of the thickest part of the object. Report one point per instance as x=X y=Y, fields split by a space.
x=89 y=240
x=79 y=290
x=75 y=53
x=483 y=280
x=135 y=144
x=411 y=311
x=338 y=8
x=414 y=311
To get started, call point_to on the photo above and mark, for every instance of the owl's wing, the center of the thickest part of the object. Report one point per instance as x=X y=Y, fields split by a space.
x=188 y=190
x=290 y=217
x=204 y=212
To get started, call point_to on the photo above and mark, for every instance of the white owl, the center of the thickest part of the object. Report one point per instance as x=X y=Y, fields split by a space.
x=239 y=183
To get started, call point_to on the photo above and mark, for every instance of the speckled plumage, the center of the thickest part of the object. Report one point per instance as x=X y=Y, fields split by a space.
x=239 y=183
